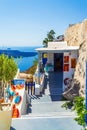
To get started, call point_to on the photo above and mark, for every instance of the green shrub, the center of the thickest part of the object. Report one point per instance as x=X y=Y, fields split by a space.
x=79 y=106
x=68 y=104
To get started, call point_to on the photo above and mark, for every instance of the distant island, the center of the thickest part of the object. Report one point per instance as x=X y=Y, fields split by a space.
x=17 y=54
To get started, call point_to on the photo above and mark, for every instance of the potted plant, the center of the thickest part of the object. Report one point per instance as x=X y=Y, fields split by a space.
x=8 y=70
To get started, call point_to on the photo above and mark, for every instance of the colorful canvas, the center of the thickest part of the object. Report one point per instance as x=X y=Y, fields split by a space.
x=73 y=63
x=66 y=59
x=66 y=67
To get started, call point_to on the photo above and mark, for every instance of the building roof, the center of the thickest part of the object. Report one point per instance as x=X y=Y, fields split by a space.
x=60 y=49
x=57 y=47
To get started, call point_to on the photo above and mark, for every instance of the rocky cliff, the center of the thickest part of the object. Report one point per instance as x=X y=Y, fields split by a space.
x=77 y=35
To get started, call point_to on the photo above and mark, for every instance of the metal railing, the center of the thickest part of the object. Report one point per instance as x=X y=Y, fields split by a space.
x=30 y=87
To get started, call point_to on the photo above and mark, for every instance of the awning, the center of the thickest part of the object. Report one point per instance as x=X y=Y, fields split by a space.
x=58 y=49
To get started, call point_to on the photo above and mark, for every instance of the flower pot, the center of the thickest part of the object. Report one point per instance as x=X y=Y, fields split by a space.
x=5 y=119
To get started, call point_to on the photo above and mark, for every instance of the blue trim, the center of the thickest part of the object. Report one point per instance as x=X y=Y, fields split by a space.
x=18 y=81
x=44 y=60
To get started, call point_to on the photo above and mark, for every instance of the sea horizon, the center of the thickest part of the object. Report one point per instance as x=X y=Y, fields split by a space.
x=18 y=47
x=23 y=63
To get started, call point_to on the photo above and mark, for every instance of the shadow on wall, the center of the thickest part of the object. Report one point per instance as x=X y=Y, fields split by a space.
x=29 y=108
x=12 y=128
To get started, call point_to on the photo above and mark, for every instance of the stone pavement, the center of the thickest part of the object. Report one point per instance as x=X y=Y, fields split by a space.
x=46 y=107
x=45 y=124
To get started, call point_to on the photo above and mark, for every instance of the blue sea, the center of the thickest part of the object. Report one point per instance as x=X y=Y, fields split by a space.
x=24 y=63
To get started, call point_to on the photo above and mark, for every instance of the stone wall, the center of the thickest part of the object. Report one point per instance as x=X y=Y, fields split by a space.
x=77 y=35
x=71 y=35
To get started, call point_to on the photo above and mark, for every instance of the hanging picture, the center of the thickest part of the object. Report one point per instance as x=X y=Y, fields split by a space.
x=66 y=67
x=45 y=55
x=73 y=62
x=44 y=58
x=66 y=59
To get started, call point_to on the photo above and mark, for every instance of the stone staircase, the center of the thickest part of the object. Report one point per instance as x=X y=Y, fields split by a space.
x=48 y=104
x=43 y=106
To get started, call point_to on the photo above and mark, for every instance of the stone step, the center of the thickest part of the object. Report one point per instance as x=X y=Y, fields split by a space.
x=46 y=107
x=51 y=114
x=46 y=98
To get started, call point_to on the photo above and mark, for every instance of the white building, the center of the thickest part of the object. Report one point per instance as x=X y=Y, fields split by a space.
x=60 y=58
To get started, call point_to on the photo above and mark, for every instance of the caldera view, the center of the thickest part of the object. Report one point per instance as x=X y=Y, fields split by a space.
x=43 y=65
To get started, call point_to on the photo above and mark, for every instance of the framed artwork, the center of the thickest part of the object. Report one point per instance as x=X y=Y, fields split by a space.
x=45 y=55
x=66 y=59
x=73 y=62
x=66 y=67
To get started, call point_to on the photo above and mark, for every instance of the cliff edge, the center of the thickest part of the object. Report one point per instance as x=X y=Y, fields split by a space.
x=77 y=35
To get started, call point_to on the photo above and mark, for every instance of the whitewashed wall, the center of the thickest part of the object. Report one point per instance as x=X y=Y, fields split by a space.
x=57 y=44
x=69 y=74
x=24 y=104
x=50 y=58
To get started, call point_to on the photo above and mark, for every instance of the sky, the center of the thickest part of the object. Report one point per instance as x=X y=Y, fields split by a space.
x=27 y=22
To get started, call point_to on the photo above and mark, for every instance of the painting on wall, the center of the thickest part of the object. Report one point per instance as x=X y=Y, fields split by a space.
x=73 y=62
x=66 y=59
x=45 y=55
x=44 y=58
x=66 y=67
x=15 y=93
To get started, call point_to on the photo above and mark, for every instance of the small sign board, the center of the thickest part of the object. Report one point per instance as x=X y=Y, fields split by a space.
x=18 y=82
